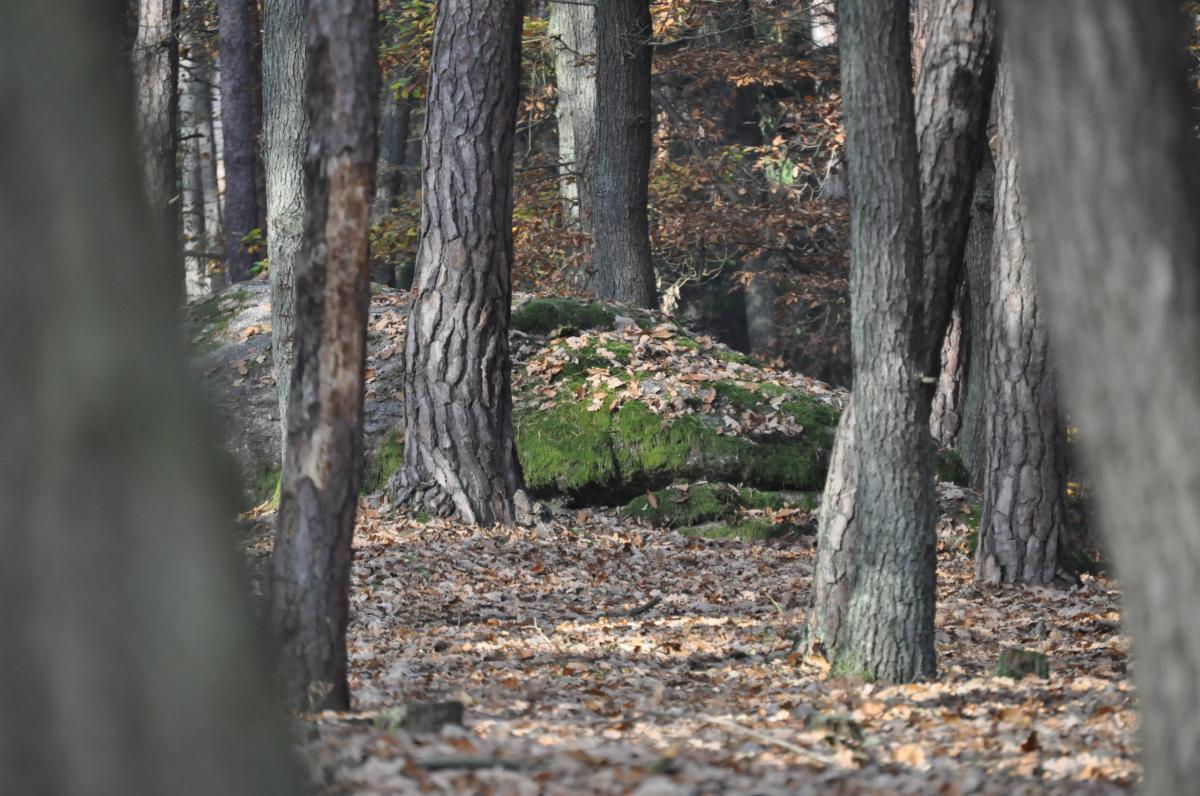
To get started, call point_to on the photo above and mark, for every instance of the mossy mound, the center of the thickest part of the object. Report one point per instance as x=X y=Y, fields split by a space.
x=543 y=316
x=690 y=505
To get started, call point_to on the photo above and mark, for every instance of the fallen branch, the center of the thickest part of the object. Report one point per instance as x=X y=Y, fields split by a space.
x=632 y=613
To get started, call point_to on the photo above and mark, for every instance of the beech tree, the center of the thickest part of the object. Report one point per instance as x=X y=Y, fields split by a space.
x=1022 y=531
x=459 y=452
x=237 y=35
x=873 y=585
x=572 y=33
x=156 y=70
x=285 y=136
x=623 y=268
x=310 y=566
x=1114 y=196
x=131 y=660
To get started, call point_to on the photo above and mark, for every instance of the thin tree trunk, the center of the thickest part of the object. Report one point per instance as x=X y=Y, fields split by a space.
x=972 y=438
x=945 y=418
x=573 y=39
x=1109 y=162
x=459 y=449
x=310 y=568
x=395 y=125
x=238 y=135
x=209 y=155
x=873 y=587
x=285 y=136
x=131 y=662
x=624 y=270
x=156 y=71
x=191 y=180
x=1022 y=534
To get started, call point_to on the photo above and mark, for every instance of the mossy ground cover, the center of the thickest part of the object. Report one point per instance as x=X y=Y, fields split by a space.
x=722 y=511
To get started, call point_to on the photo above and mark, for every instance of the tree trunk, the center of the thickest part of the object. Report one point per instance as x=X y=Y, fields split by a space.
x=945 y=418
x=624 y=270
x=972 y=439
x=238 y=136
x=459 y=451
x=873 y=588
x=1112 y=183
x=131 y=660
x=573 y=38
x=310 y=568
x=1022 y=534
x=209 y=154
x=192 y=181
x=156 y=73
x=285 y=136
x=394 y=131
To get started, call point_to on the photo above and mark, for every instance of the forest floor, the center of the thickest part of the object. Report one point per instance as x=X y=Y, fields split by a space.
x=596 y=656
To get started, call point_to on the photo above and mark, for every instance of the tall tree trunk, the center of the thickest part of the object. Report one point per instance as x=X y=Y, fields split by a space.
x=209 y=155
x=156 y=71
x=624 y=270
x=395 y=124
x=459 y=451
x=194 y=237
x=873 y=587
x=131 y=662
x=978 y=260
x=877 y=514
x=945 y=418
x=310 y=567
x=238 y=135
x=573 y=39
x=1022 y=534
x=1110 y=169
x=285 y=136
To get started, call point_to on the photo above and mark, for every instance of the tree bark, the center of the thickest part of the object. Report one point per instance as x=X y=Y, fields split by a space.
x=573 y=39
x=131 y=660
x=156 y=73
x=1109 y=162
x=873 y=587
x=394 y=131
x=192 y=203
x=624 y=270
x=972 y=440
x=459 y=450
x=945 y=418
x=285 y=136
x=209 y=154
x=238 y=136
x=310 y=572
x=1022 y=533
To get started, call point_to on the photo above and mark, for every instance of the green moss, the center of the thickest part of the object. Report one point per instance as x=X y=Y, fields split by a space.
x=267 y=487
x=679 y=506
x=948 y=466
x=750 y=530
x=543 y=315
x=732 y=356
x=384 y=463
x=590 y=357
x=565 y=449
x=760 y=499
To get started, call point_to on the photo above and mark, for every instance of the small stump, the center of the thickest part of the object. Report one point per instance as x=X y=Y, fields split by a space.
x=1016 y=663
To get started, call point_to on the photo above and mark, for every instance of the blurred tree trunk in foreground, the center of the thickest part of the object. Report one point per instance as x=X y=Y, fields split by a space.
x=322 y=463
x=130 y=663
x=1109 y=163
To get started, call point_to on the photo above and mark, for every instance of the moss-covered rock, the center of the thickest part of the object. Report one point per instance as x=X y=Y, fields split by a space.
x=383 y=462
x=543 y=316
x=690 y=505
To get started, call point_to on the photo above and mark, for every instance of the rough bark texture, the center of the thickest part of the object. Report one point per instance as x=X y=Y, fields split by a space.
x=873 y=586
x=953 y=95
x=285 y=136
x=945 y=418
x=459 y=449
x=310 y=572
x=131 y=663
x=156 y=70
x=624 y=270
x=238 y=136
x=1101 y=89
x=972 y=438
x=1022 y=534
x=573 y=38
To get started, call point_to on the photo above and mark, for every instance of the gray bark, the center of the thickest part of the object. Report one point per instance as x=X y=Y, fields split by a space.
x=156 y=69
x=210 y=157
x=395 y=124
x=192 y=182
x=624 y=270
x=285 y=136
x=573 y=39
x=310 y=565
x=1109 y=163
x=1022 y=533
x=131 y=661
x=945 y=418
x=238 y=134
x=972 y=439
x=873 y=587
x=459 y=449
